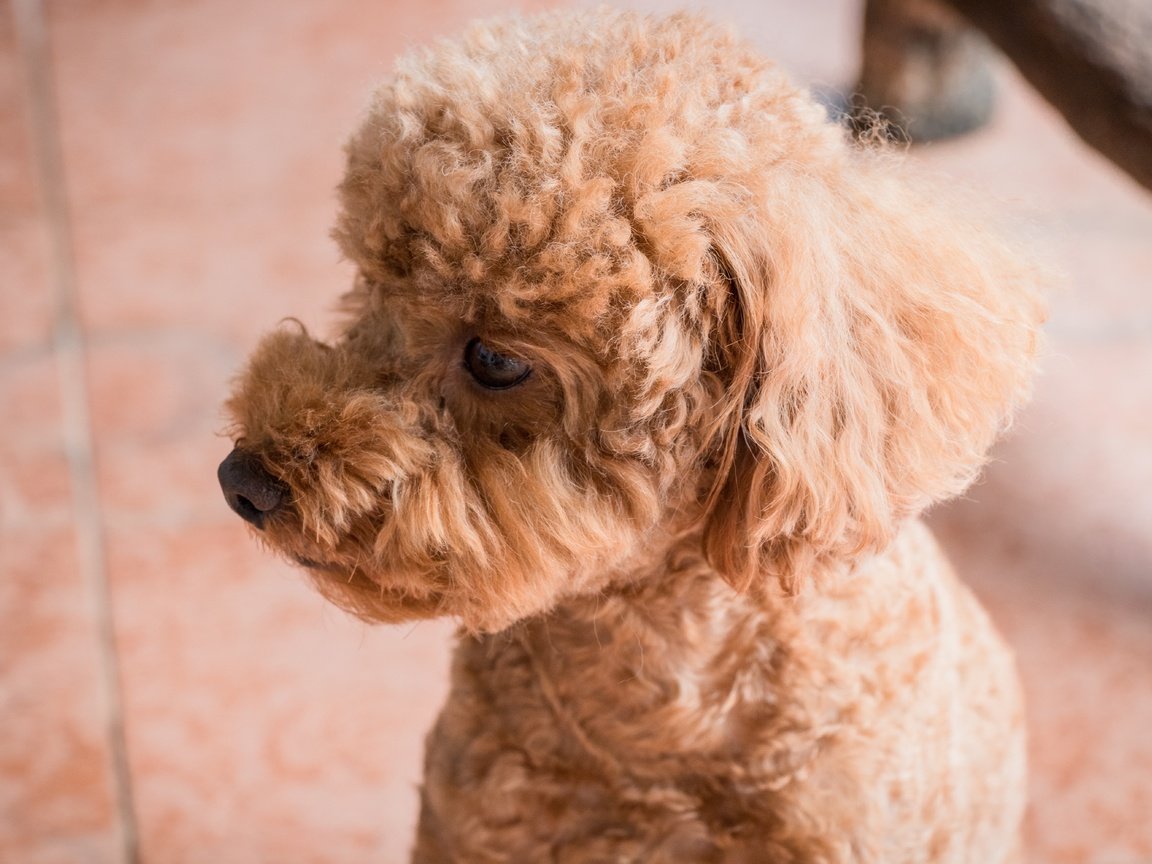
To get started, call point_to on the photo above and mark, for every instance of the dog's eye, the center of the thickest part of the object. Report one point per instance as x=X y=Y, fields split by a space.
x=492 y=370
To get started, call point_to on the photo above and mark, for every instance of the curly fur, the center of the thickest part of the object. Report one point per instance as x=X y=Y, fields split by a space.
x=701 y=621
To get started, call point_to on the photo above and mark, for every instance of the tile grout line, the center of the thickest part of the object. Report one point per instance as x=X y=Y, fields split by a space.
x=75 y=399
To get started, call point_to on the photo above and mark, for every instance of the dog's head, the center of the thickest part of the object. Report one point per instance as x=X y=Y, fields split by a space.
x=621 y=287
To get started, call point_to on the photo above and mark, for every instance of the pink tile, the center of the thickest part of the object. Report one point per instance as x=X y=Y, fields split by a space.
x=17 y=188
x=56 y=799
x=1086 y=664
x=1075 y=480
x=27 y=319
x=1108 y=263
x=26 y=322
x=265 y=726
x=156 y=412
x=1057 y=541
x=56 y=791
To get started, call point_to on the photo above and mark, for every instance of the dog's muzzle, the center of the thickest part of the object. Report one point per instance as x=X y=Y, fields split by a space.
x=250 y=491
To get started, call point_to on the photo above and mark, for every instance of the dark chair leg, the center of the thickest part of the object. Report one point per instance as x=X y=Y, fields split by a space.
x=926 y=69
x=925 y=74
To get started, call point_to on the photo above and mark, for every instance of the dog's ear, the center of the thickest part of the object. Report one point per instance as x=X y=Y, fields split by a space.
x=873 y=345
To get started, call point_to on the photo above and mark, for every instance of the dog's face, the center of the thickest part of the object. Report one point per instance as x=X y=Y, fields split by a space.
x=479 y=444
x=616 y=292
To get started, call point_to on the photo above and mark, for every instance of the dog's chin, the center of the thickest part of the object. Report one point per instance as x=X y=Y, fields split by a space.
x=380 y=599
x=371 y=599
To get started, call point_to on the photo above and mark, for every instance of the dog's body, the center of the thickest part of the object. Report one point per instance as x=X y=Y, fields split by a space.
x=646 y=376
x=670 y=722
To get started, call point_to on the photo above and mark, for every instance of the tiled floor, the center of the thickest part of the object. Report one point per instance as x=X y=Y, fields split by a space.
x=199 y=143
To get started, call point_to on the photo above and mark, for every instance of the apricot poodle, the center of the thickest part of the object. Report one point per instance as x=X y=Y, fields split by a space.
x=645 y=376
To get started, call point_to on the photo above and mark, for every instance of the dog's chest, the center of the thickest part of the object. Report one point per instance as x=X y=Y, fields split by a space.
x=651 y=733
x=689 y=726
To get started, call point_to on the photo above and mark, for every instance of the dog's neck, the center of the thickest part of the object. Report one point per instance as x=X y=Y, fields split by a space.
x=677 y=651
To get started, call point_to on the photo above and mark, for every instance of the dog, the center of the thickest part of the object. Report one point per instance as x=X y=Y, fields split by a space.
x=645 y=377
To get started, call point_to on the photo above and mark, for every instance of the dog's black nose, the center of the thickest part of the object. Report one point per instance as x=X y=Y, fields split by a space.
x=249 y=489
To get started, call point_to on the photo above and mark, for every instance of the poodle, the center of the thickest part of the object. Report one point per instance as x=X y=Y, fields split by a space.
x=645 y=376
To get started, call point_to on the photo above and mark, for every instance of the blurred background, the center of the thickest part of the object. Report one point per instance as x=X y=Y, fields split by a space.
x=170 y=693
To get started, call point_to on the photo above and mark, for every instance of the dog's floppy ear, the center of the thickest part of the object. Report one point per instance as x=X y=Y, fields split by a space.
x=873 y=345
